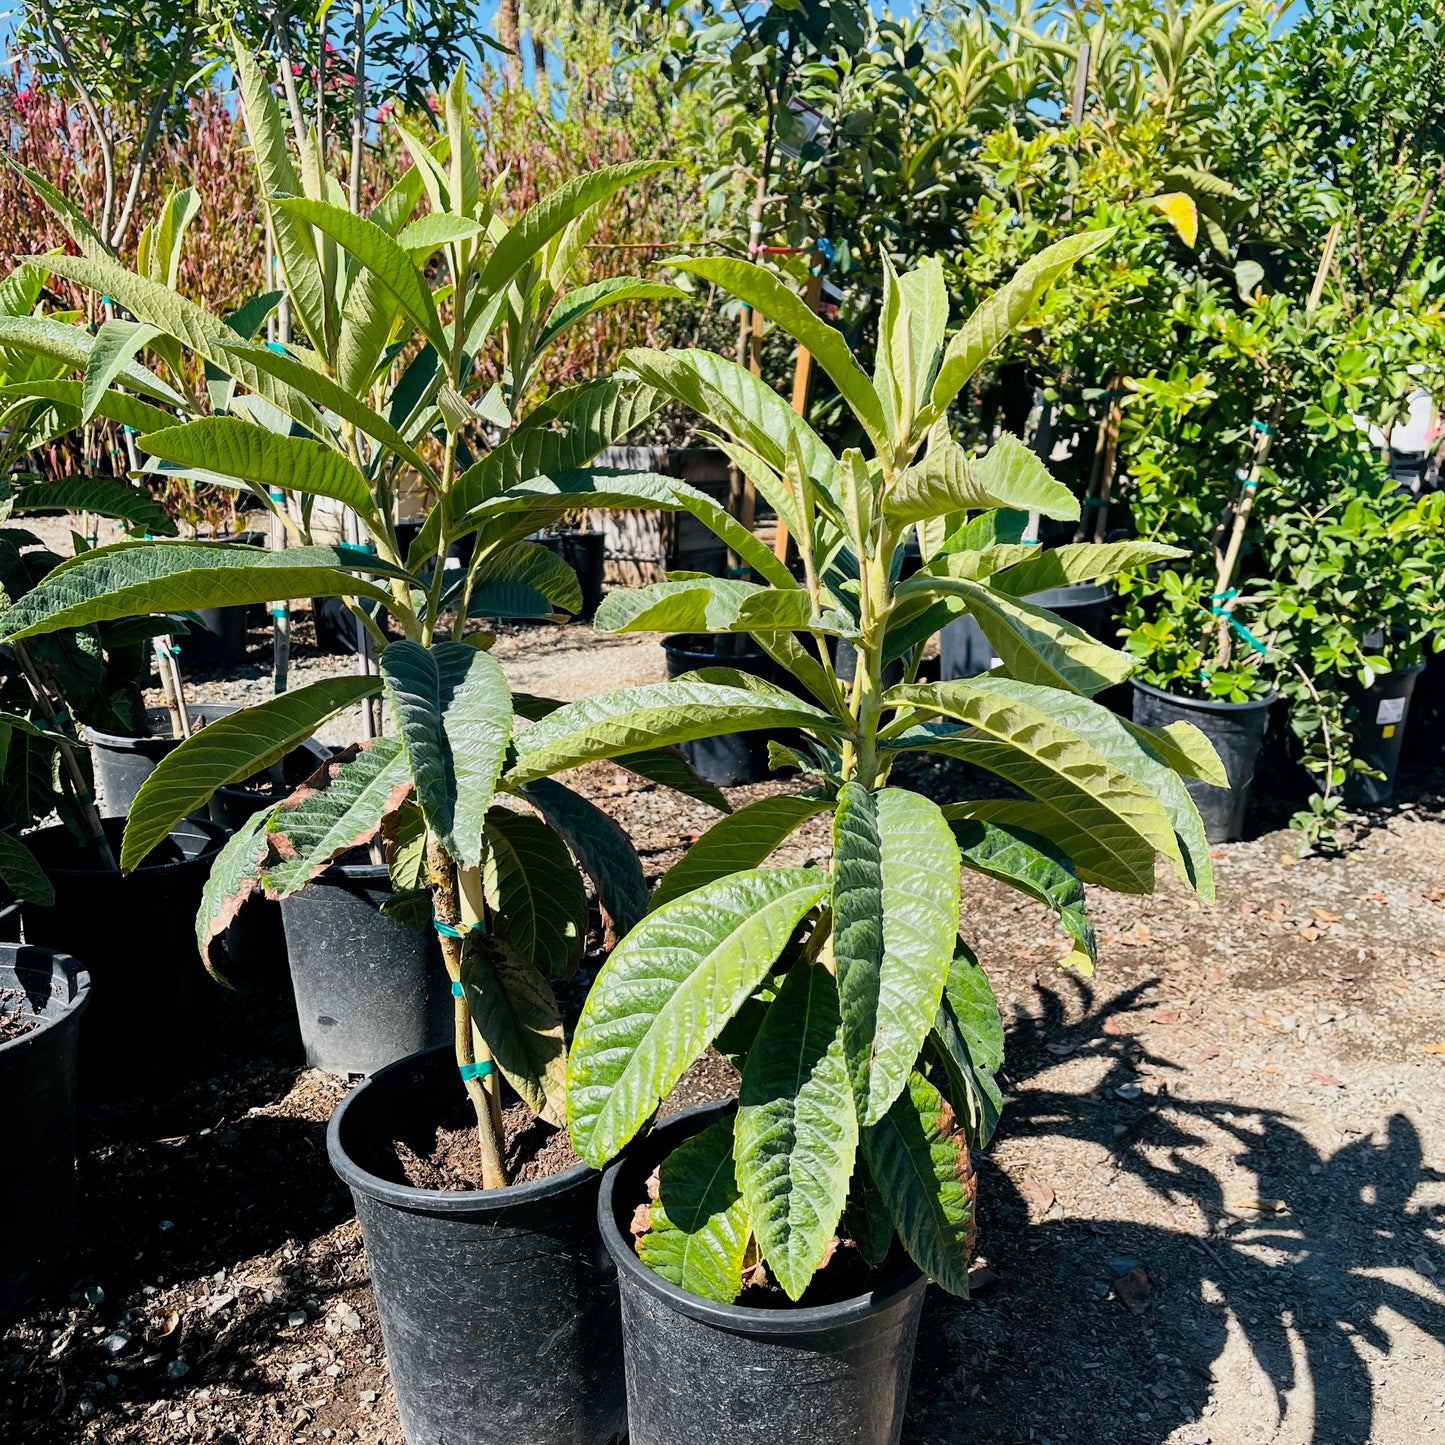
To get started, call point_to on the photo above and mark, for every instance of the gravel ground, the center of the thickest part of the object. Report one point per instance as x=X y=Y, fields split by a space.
x=1214 y=1212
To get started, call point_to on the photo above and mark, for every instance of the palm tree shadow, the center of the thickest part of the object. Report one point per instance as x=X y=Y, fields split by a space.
x=1106 y=1330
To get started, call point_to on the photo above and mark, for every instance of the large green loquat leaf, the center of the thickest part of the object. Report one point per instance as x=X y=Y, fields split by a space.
x=968 y=1036
x=251 y=453
x=562 y=434
x=234 y=877
x=194 y=327
x=229 y=750
x=919 y=1161
x=974 y=342
x=454 y=713
x=537 y=898
x=743 y=840
x=540 y=222
x=704 y=604
x=131 y=578
x=524 y=579
x=698 y=1234
x=1185 y=748
x=948 y=481
x=105 y=496
x=1081 y=562
x=377 y=251
x=657 y=715
x=295 y=245
x=1033 y=866
x=1106 y=821
x=1122 y=748
x=514 y=1009
x=797 y=1134
x=764 y=292
x=895 y=918
x=115 y=405
x=740 y=404
x=577 y=305
x=667 y=989
x=262 y=368
x=339 y=808
x=603 y=851
x=72 y=347
x=22 y=874
x=1033 y=644
x=117 y=344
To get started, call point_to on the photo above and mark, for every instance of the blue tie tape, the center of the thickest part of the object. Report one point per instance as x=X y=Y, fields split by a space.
x=476 y=1071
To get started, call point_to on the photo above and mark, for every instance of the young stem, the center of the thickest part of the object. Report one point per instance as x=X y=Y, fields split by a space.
x=486 y=1101
x=57 y=717
x=866 y=703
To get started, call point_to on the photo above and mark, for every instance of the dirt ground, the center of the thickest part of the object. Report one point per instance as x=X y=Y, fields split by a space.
x=1214 y=1212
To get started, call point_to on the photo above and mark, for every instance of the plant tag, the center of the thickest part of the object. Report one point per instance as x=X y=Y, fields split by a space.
x=1391 y=710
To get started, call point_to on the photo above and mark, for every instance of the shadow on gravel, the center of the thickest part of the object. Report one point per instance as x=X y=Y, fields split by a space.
x=1106 y=1331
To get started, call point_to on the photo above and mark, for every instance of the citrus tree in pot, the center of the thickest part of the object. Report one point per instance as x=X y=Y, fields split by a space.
x=778 y=1270
x=497 y=1303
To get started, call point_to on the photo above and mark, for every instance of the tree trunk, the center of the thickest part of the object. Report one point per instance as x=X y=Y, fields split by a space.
x=509 y=32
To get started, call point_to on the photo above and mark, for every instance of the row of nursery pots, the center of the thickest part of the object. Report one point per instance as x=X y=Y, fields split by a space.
x=520 y=1314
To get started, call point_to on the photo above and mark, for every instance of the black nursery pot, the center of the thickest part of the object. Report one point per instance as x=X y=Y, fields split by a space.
x=122 y=763
x=699 y=1372
x=582 y=552
x=732 y=758
x=1237 y=731
x=220 y=640
x=135 y=933
x=368 y=989
x=498 y=1307
x=1381 y=712
x=37 y=1094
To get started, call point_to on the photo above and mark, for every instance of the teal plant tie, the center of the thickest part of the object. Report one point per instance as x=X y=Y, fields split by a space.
x=1217 y=605
x=476 y=1071
x=280 y=614
x=457 y=990
x=449 y=930
x=1262 y=426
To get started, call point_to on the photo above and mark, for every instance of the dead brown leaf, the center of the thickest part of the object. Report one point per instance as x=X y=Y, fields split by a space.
x=1039 y=1196
x=1133 y=1289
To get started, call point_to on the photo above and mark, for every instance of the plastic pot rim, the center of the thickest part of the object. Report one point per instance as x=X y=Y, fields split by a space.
x=408 y=1197
x=75 y=1006
x=217 y=840
x=1206 y=704
x=680 y=642
x=203 y=712
x=739 y=1319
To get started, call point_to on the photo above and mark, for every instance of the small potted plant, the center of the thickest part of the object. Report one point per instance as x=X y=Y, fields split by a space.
x=497 y=1304
x=772 y=1256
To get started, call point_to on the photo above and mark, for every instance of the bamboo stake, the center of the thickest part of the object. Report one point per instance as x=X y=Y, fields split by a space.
x=1249 y=479
x=1101 y=479
x=802 y=379
x=171 y=688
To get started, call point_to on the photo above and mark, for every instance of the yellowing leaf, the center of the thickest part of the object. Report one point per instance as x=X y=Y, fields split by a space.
x=1179 y=209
